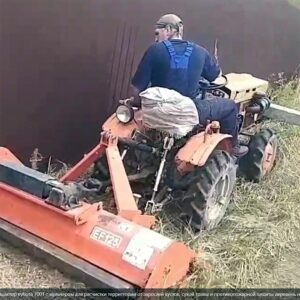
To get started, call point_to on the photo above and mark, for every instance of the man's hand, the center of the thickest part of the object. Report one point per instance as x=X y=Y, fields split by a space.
x=127 y=101
x=216 y=49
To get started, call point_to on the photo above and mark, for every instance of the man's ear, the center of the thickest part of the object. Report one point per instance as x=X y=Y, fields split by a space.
x=169 y=29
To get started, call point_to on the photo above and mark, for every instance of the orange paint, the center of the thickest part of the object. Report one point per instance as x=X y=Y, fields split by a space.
x=200 y=146
x=61 y=229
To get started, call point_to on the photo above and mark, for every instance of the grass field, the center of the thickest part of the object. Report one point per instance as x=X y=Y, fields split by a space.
x=295 y=3
x=288 y=94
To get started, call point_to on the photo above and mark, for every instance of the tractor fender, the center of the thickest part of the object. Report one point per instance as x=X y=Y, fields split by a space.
x=118 y=129
x=198 y=148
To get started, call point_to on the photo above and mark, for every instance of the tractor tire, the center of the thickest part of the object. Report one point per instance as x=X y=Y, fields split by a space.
x=261 y=158
x=206 y=199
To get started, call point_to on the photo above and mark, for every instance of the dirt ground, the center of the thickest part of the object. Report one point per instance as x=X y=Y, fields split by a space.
x=18 y=270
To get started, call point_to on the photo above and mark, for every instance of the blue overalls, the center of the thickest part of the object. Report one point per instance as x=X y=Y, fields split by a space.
x=217 y=109
x=177 y=78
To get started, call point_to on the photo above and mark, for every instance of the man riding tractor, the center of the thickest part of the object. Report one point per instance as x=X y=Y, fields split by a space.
x=169 y=158
x=178 y=64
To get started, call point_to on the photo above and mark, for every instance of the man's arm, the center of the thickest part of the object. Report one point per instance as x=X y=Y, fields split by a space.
x=136 y=100
x=211 y=69
x=142 y=77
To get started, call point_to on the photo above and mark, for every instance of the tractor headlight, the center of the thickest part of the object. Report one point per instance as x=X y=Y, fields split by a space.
x=124 y=114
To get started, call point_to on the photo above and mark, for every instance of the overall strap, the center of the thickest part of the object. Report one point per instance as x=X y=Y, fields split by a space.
x=179 y=61
x=189 y=49
x=170 y=48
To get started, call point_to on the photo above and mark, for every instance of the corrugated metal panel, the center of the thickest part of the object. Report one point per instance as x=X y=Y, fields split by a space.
x=65 y=63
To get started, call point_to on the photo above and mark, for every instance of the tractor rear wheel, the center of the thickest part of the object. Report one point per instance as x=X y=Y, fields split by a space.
x=261 y=157
x=206 y=199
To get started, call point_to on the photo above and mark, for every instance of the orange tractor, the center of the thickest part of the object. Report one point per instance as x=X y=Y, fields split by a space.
x=148 y=170
x=196 y=171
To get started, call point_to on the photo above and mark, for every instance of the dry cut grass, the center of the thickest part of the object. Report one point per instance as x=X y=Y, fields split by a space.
x=256 y=244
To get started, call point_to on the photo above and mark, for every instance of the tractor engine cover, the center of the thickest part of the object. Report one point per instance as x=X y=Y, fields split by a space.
x=242 y=87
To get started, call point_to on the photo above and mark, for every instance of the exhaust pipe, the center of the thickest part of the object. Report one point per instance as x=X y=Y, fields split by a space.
x=261 y=104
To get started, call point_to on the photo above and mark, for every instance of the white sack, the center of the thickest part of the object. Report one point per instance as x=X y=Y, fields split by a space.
x=168 y=111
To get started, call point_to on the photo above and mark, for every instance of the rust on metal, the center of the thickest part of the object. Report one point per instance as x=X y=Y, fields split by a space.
x=269 y=156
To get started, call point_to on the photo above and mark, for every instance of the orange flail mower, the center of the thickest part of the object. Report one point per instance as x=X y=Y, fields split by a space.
x=115 y=251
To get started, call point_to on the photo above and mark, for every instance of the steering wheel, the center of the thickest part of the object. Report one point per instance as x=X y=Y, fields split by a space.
x=205 y=85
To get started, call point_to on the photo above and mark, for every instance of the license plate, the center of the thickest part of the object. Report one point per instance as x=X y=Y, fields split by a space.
x=106 y=238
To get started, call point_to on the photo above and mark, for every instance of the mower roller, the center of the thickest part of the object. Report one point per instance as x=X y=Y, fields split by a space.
x=106 y=250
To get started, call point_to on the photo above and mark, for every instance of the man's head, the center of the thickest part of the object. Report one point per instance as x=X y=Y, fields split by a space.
x=168 y=27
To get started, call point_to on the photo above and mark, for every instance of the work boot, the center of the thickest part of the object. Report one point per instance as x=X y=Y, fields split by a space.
x=240 y=150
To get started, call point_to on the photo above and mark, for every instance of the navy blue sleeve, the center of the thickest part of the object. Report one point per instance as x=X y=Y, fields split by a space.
x=142 y=76
x=211 y=69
